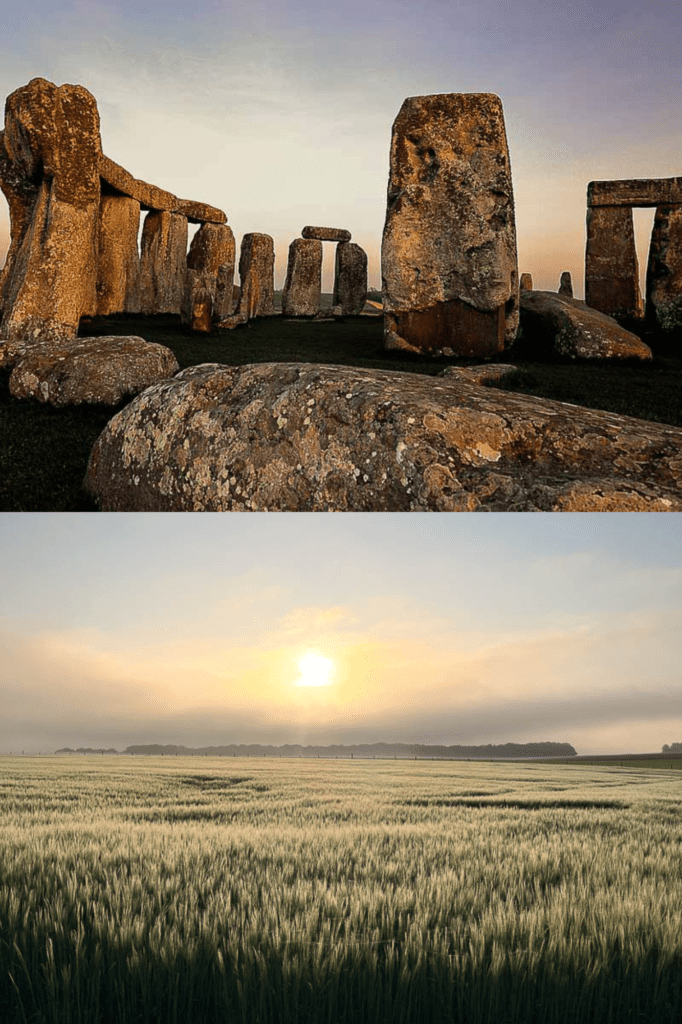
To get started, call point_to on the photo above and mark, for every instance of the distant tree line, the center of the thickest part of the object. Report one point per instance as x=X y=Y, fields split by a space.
x=360 y=750
x=674 y=748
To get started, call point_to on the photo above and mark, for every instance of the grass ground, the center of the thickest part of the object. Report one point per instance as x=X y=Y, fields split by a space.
x=263 y=891
x=44 y=451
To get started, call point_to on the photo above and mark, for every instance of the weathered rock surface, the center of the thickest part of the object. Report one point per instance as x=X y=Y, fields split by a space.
x=526 y=283
x=566 y=284
x=489 y=374
x=568 y=327
x=664 y=270
x=152 y=198
x=225 y=300
x=611 y=267
x=256 y=276
x=302 y=437
x=326 y=234
x=163 y=262
x=303 y=284
x=449 y=262
x=212 y=249
x=197 y=306
x=50 y=162
x=350 y=278
x=103 y=370
x=635 y=192
x=118 y=263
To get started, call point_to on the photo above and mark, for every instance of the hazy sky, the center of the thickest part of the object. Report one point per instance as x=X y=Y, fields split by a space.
x=117 y=629
x=280 y=111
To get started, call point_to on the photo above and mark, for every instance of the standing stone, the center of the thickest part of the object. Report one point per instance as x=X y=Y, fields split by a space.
x=257 y=276
x=611 y=268
x=163 y=262
x=449 y=262
x=118 y=265
x=566 y=284
x=211 y=249
x=225 y=301
x=664 y=270
x=197 y=306
x=51 y=157
x=350 y=278
x=303 y=285
x=526 y=283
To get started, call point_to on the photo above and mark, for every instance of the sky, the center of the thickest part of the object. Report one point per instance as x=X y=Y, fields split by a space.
x=119 y=629
x=280 y=111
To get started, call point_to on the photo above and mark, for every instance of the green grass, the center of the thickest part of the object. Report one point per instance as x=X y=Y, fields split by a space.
x=44 y=451
x=209 y=890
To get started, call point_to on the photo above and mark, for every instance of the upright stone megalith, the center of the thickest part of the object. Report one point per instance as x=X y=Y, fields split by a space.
x=50 y=171
x=449 y=262
x=118 y=264
x=257 y=276
x=350 y=278
x=566 y=284
x=211 y=249
x=664 y=270
x=303 y=284
x=163 y=262
x=611 y=268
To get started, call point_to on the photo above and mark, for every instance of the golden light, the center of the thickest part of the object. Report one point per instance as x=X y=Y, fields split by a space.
x=315 y=670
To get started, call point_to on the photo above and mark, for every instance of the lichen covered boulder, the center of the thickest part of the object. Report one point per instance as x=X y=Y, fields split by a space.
x=305 y=437
x=102 y=370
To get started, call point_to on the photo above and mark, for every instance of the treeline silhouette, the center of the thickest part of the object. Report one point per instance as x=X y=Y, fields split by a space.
x=340 y=750
x=674 y=748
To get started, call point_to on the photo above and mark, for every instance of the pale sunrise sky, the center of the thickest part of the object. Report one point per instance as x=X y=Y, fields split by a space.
x=280 y=111
x=163 y=628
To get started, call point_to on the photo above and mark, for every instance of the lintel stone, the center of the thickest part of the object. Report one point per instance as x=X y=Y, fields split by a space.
x=635 y=192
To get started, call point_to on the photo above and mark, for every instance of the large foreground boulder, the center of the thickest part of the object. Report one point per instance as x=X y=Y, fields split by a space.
x=304 y=437
x=557 y=324
x=103 y=370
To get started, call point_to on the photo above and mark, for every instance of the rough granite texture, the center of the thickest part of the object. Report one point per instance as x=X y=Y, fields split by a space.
x=163 y=262
x=326 y=234
x=52 y=143
x=568 y=327
x=256 y=276
x=350 y=279
x=611 y=267
x=305 y=437
x=118 y=264
x=152 y=198
x=449 y=264
x=303 y=284
x=103 y=370
x=664 y=270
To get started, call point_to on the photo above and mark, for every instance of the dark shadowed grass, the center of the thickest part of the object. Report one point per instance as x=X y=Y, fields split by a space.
x=44 y=451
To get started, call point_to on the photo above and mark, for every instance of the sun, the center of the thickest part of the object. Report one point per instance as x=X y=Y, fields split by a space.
x=315 y=670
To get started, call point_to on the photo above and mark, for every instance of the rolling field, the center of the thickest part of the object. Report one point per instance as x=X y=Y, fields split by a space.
x=207 y=890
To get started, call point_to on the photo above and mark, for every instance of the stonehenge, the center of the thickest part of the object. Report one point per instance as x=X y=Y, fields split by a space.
x=74 y=218
x=611 y=268
x=303 y=284
x=257 y=276
x=566 y=284
x=449 y=261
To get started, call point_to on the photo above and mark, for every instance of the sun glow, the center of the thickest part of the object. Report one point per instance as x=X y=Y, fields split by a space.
x=315 y=670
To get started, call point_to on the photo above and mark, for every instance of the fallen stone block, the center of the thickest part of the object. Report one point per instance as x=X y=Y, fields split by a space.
x=103 y=370
x=552 y=323
x=305 y=437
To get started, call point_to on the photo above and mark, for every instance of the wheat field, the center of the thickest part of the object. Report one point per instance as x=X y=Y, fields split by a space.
x=204 y=890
